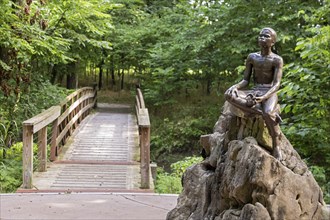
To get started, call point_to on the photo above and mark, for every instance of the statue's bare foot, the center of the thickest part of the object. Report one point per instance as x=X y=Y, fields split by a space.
x=277 y=153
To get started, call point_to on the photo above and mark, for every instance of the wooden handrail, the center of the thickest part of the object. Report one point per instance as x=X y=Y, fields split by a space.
x=74 y=109
x=144 y=133
x=64 y=118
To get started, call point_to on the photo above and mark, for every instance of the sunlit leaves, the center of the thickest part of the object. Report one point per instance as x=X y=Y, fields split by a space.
x=306 y=91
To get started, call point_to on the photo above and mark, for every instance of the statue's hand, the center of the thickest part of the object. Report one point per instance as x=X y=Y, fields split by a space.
x=259 y=99
x=232 y=91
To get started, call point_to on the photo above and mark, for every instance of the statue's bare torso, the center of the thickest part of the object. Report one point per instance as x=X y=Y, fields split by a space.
x=263 y=67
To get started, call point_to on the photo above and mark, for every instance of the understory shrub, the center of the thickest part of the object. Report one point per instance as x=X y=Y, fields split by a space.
x=181 y=135
x=14 y=109
x=11 y=167
x=171 y=182
x=319 y=174
x=179 y=131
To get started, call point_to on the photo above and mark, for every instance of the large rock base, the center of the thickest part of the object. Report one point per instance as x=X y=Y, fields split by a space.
x=241 y=180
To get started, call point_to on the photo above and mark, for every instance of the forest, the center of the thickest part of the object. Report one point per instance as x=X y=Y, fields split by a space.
x=182 y=53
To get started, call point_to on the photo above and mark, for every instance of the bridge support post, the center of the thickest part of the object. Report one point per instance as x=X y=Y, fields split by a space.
x=42 y=149
x=53 y=144
x=27 y=156
x=95 y=95
x=145 y=157
x=144 y=129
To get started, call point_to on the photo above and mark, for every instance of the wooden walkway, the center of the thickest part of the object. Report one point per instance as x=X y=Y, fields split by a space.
x=102 y=155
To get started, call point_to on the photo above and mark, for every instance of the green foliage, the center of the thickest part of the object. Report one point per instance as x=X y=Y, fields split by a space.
x=209 y=38
x=320 y=176
x=11 y=168
x=306 y=98
x=167 y=183
x=177 y=128
x=163 y=87
x=180 y=167
x=82 y=23
x=10 y=175
x=39 y=96
x=180 y=135
x=23 y=40
x=8 y=134
x=306 y=94
x=171 y=183
x=38 y=35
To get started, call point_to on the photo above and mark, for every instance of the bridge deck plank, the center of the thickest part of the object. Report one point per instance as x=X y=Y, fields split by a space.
x=103 y=153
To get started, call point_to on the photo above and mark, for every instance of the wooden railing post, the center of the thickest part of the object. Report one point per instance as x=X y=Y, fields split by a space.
x=145 y=157
x=27 y=156
x=53 y=145
x=95 y=92
x=42 y=149
x=144 y=130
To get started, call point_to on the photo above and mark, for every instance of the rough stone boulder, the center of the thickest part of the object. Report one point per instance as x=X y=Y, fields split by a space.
x=240 y=179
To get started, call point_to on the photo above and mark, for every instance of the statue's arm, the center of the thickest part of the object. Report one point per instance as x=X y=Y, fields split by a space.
x=247 y=75
x=276 y=80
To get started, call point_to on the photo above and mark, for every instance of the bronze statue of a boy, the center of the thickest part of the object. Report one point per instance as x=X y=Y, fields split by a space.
x=266 y=69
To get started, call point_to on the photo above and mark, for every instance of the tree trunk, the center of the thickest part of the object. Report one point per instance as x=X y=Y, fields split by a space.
x=107 y=79
x=94 y=72
x=122 y=80
x=128 y=79
x=119 y=78
x=112 y=73
x=53 y=74
x=208 y=87
x=4 y=153
x=71 y=77
x=70 y=81
x=100 y=76
x=113 y=77
x=209 y=79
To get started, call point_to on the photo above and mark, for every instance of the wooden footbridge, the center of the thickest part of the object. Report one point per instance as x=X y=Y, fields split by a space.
x=91 y=147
